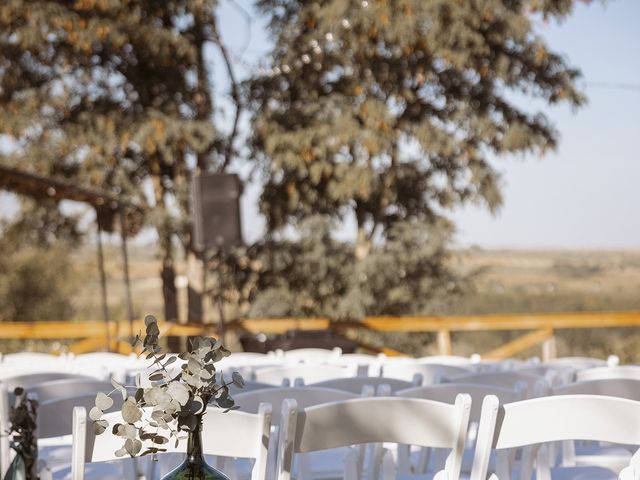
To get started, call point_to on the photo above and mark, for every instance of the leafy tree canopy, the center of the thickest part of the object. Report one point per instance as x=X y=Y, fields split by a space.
x=390 y=109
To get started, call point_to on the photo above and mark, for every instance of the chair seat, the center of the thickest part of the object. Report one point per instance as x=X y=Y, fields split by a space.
x=325 y=464
x=93 y=471
x=614 y=457
x=583 y=473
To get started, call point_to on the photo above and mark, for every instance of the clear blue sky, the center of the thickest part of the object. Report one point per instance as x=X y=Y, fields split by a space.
x=584 y=195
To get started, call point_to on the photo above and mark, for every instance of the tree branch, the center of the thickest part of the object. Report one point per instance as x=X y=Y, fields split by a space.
x=235 y=94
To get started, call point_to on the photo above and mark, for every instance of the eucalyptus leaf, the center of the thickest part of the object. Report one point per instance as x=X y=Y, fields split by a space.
x=100 y=426
x=179 y=392
x=120 y=388
x=103 y=402
x=130 y=412
x=132 y=446
x=95 y=413
x=237 y=379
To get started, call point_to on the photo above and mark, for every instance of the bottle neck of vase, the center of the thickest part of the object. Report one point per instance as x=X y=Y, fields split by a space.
x=194 y=442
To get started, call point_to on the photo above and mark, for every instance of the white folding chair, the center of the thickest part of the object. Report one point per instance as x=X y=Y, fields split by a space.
x=356 y=384
x=505 y=379
x=27 y=380
x=450 y=360
x=67 y=387
x=308 y=373
x=374 y=420
x=613 y=457
x=317 y=464
x=233 y=434
x=33 y=358
x=536 y=422
x=447 y=393
x=599 y=373
x=431 y=372
x=312 y=355
x=368 y=365
x=577 y=363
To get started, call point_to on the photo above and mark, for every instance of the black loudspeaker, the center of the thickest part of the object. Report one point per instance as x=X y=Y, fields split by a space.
x=216 y=211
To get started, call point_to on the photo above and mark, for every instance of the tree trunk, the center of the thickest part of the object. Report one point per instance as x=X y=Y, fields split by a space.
x=195 y=288
x=363 y=244
x=169 y=290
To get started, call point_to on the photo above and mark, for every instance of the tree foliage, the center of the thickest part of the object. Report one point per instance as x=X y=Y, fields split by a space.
x=36 y=283
x=116 y=95
x=391 y=109
x=318 y=275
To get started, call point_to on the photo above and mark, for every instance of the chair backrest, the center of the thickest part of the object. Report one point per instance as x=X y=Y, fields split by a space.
x=578 y=363
x=599 y=373
x=447 y=393
x=249 y=386
x=355 y=384
x=107 y=358
x=308 y=373
x=553 y=374
x=4 y=427
x=431 y=372
x=449 y=360
x=551 y=419
x=312 y=354
x=29 y=380
x=505 y=379
x=248 y=437
x=373 y=420
x=23 y=358
x=55 y=416
x=305 y=396
x=57 y=389
x=612 y=387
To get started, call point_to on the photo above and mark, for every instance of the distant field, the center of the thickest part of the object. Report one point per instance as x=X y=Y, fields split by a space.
x=505 y=281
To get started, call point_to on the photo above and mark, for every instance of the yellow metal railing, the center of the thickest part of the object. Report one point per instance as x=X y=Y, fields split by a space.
x=93 y=335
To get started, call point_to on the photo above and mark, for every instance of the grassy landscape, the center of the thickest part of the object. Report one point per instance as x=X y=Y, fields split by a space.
x=504 y=281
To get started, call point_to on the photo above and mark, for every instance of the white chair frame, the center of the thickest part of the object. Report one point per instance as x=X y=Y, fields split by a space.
x=374 y=420
x=534 y=422
x=249 y=438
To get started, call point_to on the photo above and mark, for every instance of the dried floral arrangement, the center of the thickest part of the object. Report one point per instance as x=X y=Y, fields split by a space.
x=24 y=439
x=177 y=396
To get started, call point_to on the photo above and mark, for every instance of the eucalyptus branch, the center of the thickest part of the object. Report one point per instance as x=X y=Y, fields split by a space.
x=176 y=403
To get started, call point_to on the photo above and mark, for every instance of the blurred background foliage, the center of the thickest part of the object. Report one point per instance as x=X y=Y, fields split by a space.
x=381 y=111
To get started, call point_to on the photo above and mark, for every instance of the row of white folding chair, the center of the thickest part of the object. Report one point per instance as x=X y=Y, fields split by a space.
x=535 y=423
x=445 y=393
x=329 y=463
x=249 y=403
x=429 y=423
x=408 y=372
x=307 y=391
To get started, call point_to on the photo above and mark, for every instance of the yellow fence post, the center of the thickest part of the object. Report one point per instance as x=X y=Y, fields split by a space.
x=549 y=349
x=444 y=342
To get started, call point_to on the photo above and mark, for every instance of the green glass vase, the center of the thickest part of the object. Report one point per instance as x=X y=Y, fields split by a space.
x=194 y=467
